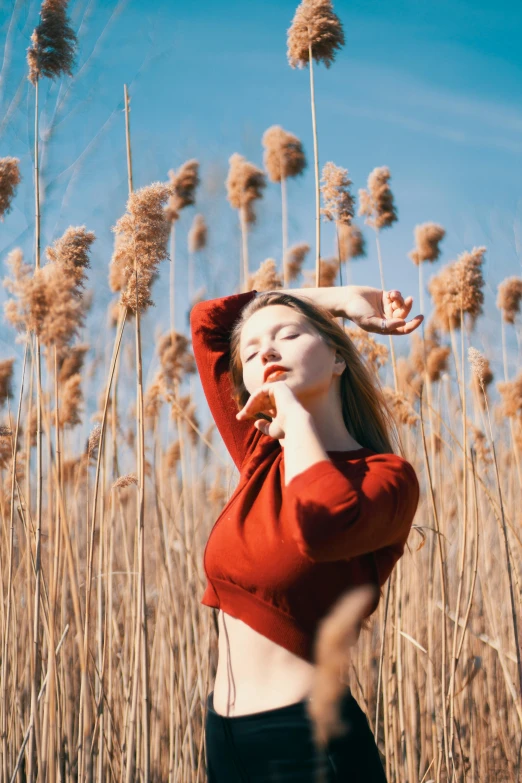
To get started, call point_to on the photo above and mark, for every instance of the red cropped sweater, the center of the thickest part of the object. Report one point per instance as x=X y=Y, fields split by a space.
x=279 y=557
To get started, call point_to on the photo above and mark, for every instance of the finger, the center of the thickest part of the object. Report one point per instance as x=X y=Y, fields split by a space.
x=410 y=326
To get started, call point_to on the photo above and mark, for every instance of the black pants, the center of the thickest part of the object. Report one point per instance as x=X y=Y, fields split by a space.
x=277 y=745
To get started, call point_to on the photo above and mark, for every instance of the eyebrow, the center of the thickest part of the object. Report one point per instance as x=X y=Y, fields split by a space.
x=274 y=329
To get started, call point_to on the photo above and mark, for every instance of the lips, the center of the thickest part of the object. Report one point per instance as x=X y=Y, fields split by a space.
x=274 y=370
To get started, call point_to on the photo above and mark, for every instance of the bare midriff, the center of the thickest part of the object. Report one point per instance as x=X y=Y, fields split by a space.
x=255 y=674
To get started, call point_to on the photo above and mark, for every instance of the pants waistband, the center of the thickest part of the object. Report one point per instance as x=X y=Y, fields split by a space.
x=297 y=706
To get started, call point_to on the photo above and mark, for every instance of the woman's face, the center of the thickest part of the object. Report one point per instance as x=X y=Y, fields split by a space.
x=278 y=334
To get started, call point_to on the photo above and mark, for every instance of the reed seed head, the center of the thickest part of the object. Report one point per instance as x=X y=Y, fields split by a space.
x=427 y=239
x=479 y=365
x=266 y=278
x=72 y=362
x=314 y=27
x=129 y=479
x=458 y=287
x=351 y=242
x=153 y=397
x=377 y=201
x=284 y=155
x=294 y=259
x=9 y=179
x=197 y=237
x=328 y=271
x=338 y=201
x=429 y=355
x=374 y=353
x=61 y=284
x=511 y=393
x=183 y=184
x=6 y=379
x=508 y=298
x=175 y=357
x=402 y=409
x=71 y=399
x=245 y=183
x=141 y=244
x=53 y=48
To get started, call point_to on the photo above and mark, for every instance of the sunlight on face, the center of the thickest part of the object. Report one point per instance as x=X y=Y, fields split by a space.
x=278 y=334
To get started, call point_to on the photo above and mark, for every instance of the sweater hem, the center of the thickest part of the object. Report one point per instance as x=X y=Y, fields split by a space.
x=264 y=618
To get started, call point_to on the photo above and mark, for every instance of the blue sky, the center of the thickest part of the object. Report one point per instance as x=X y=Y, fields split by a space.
x=431 y=90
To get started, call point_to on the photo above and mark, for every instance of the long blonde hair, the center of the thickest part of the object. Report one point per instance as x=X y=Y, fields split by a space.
x=365 y=411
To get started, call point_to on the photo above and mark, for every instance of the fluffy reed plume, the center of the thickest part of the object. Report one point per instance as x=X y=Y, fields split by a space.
x=197 y=236
x=245 y=183
x=509 y=297
x=459 y=286
x=338 y=201
x=71 y=399
x=93 y=441
x=480 y=444
x=153 y=398
x=9 y=179
x=175 y=357
x=481 y=374
x=183 y=184
x=338 y=631
x=141 y=237
x=31 y=293
x=284 y=155
x=409 y=382
x=315 y=26
x=6 y=380
x=71 y=253
x=377 y=201
x=172 y=455
x=65 y=281
x=351 y=241
x=20 y=274
x=400 y=406
x=329 y=269
x=266 y=278
x=53 y=43
x=429 y=355
x=6 y=446
x=427 y=239
x=72 y=362
x=294 y=259
x=511 y=393
x=376 y=354
x=127 y=480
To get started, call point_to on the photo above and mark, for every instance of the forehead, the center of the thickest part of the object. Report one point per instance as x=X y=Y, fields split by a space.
x=267 y=318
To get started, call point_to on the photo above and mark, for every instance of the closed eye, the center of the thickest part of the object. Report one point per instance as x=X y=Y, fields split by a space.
x=289 y=337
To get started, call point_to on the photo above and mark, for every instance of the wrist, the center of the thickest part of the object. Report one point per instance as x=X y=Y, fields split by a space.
x=335 y=299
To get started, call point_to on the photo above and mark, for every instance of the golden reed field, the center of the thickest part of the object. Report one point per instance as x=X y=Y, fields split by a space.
x=107 y=655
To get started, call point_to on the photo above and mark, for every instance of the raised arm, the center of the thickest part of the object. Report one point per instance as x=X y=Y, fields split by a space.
x=211 y=323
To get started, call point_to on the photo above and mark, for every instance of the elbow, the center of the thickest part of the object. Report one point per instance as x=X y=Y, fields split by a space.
x=322 y=538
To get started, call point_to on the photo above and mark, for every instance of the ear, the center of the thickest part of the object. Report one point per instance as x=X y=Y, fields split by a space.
x=340 y=364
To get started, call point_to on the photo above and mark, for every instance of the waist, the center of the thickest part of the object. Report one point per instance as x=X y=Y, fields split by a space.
x=254 y=673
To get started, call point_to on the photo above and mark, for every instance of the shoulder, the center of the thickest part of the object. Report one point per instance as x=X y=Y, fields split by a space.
x=392 y=467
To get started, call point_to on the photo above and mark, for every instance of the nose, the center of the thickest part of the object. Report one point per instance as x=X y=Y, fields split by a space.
x=268 y=353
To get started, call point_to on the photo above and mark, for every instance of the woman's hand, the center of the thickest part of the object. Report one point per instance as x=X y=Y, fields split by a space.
x=367 y=307
x=276 y=399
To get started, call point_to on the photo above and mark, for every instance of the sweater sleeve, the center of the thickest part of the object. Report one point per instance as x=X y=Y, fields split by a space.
x=339 y=514
x=211 y=323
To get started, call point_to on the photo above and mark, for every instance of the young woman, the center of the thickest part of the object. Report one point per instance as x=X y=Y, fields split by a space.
x=323 y=504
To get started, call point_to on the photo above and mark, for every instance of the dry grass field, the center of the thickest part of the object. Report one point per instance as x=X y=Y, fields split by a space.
x=107 y=655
